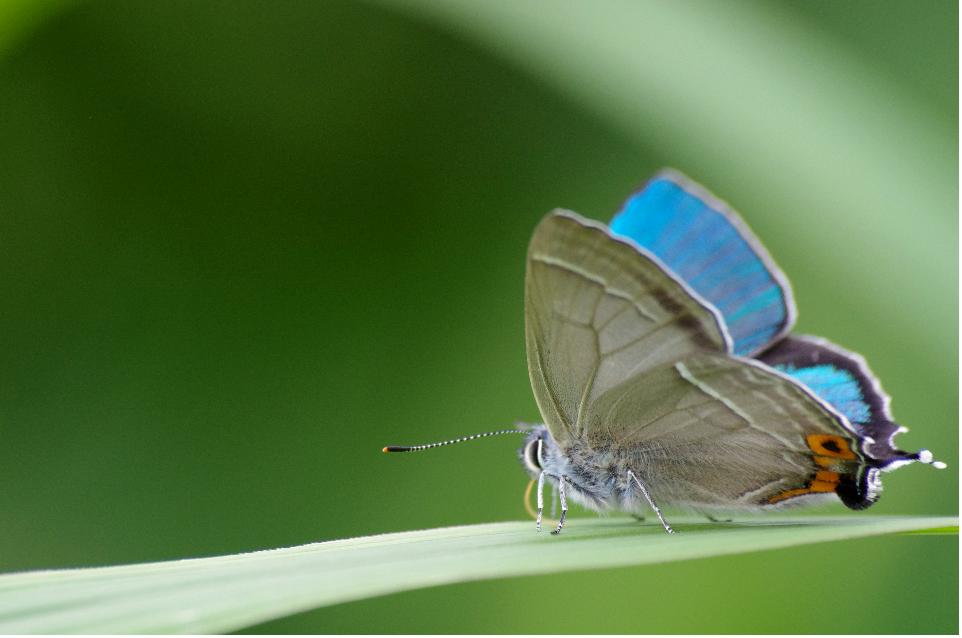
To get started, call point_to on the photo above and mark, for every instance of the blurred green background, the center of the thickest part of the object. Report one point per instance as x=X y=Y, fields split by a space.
x=243 y=245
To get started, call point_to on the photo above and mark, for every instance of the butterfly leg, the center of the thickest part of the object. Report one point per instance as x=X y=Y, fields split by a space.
x=651 y=501
x=717 y=520
x=554 y=501
x=540 y=498
x=564 y=505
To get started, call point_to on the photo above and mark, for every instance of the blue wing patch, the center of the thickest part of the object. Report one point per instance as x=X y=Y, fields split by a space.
x=706 y=244
x=843 y=380
x=835 y=386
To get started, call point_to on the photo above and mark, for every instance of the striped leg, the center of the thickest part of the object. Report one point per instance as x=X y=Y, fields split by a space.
x=540 y=498
x=564 y=505
x=651 y=502
x=554 y=501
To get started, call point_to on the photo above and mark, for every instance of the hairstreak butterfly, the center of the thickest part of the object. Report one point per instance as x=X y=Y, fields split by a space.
x=661 y=361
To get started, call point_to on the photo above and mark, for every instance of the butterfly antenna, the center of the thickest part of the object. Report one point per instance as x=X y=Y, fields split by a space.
x=418 y=448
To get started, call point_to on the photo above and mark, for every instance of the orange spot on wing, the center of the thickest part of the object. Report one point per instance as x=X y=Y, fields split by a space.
x=822 y=487
x=831 y=445
x=824 y=482
x=789 y=494
x=828 y=450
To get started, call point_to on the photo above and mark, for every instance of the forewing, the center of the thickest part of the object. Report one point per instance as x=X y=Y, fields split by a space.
x=708 y=246
x=717 y=430
x=598 y=311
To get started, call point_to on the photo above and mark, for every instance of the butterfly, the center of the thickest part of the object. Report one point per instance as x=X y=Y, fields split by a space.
x=660 y=356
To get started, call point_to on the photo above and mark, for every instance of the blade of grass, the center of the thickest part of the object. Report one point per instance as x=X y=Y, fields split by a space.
x=951 y=530
x=225 y=593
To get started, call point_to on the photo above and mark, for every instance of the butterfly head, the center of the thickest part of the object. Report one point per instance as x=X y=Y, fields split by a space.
x=538 y=451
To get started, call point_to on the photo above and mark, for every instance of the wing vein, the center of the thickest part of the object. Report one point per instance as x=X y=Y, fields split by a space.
x=673 y=410
x=590 y=383
x=728 y=403
x=550 y=392
x=563 y=265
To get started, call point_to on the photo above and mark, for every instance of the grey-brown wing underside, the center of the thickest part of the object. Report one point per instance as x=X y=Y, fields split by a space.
x=717 y=430
x=600 y=311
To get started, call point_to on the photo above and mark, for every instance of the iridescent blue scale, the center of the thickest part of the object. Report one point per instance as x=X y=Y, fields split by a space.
x=705 y=244
x=838 y=387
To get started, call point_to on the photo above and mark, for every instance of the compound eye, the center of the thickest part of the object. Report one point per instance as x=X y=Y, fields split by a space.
x=532 y=455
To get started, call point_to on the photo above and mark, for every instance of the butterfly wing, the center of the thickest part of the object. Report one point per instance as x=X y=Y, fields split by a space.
x=844 y=380
x=623 y=355
x=598 y=311
x=706 y=244
x=712 y=430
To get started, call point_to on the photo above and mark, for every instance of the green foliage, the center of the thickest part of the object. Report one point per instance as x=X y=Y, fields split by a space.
x=242 y=250
x=19 y=17
x=225 y=593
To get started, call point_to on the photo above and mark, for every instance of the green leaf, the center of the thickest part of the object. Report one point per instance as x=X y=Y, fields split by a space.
x=230 y=592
